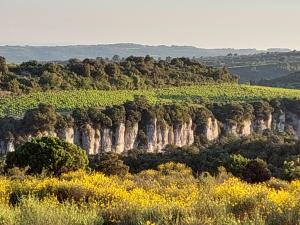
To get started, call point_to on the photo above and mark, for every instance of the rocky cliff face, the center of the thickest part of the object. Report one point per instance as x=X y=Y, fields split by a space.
x=261 y=125
x=124 y=137
x=6 y=146
x=294 y=121
x=212 y=130
x=241 y=129
x=279 y=123
x=130 y=137
x=67 y=134
x=247 y=127
x=178 y=134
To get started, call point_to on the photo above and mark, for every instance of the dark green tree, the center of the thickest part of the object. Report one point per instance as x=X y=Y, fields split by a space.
x=256 y=171
x=291 y=169
x=112 y=69
x=236 y=165
x=116 y=58
x=14 y=86
x=42 y=118
x=109 y=164
x=50 y=81
x=87 y=70
x=47 y=154
x=3 y=66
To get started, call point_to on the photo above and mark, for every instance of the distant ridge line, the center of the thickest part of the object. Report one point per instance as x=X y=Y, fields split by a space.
x=19 y=53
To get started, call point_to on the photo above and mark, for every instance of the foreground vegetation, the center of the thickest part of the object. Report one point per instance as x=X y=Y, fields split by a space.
x=168 y=195
x=66 y=100
x=160 y=188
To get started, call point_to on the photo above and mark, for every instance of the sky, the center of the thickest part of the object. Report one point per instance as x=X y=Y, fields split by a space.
x=257 y=24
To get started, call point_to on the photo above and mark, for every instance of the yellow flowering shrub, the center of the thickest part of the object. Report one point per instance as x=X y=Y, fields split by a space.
x=4 y=189
x=150 y=197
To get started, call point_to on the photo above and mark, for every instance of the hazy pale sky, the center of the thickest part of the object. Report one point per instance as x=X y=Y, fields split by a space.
x=203 y=23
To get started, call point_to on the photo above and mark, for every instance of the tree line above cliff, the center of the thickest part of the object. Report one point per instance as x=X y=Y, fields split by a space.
x=105 y=74
x=141 y=112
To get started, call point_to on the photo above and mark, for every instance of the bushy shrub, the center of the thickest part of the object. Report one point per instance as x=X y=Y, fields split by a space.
x=2 y=165
x=172 y=168
x=109 y=164
x=262 y=110
x=47 y=154
x=256 y=171
x=3 y=65
x=277 y=184
x=291 y=170
x=237 y=164
x=244 y=207
x=43 y=118
x=50 y=212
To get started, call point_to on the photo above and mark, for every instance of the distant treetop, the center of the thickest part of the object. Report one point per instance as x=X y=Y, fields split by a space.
x=108 y=74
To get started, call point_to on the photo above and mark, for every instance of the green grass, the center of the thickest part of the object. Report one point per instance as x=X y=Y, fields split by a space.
x=65 y=100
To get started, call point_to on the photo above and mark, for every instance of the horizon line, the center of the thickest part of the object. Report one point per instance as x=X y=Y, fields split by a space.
x=124 y=43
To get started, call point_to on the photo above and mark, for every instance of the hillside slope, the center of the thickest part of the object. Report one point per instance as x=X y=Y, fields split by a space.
x=68 y=100
x=257 y=66
x=289 y=81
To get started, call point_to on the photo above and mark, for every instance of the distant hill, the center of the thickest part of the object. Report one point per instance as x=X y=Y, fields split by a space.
x=249 y=64
x=288 y=81
x=256 y=67
x=19 y=54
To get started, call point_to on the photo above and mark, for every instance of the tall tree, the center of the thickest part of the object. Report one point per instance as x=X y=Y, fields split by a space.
x=116 y=58
x=3 y=66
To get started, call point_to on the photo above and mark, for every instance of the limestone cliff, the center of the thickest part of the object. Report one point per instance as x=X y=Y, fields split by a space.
x=241 y=129
x=260 y=125
x=157 y=134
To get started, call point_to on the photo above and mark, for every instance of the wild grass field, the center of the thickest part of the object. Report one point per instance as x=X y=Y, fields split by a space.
x=66 y=100
x=168 y=195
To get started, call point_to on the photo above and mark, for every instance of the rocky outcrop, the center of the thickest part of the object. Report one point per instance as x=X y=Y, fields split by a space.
x=160 y=136
x=131 y=133
x=294 y=121
x=151 y=131
x=241 y=129
x=246 y=128
x=10 y=146
x=163 y=137
x=120 y=138
x=261 y=125
x=6 y=146
x=231 y=129
x=153 y=136
x=183 y=134
x=97 y=142
x=88 y=139
x=77 y=140
x=106 y=140
x=66 y=134
x=279 y=122
x=212 y=129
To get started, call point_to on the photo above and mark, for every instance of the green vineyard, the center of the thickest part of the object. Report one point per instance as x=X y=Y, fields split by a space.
x=66 y=100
